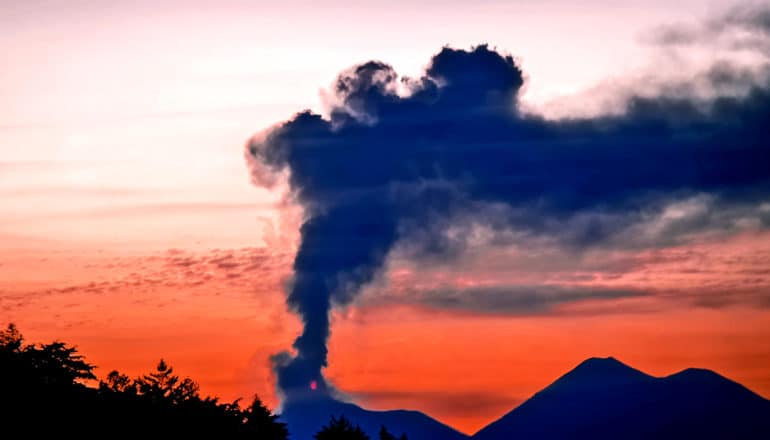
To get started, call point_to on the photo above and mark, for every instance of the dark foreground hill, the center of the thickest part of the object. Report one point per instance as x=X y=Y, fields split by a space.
x=306 y=417
x=606 y=399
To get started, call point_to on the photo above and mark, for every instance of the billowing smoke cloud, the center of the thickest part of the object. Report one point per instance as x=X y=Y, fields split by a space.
x=389 y=166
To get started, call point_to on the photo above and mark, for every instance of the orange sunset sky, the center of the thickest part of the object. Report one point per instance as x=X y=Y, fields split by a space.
x=131 y=228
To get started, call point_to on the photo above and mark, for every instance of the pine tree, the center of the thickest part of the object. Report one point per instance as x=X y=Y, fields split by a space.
x=163 y=385
x=261 y=421
x=385 y=434
x=341 y=429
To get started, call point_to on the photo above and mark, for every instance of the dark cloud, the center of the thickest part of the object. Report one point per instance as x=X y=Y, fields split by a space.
x=390 y=167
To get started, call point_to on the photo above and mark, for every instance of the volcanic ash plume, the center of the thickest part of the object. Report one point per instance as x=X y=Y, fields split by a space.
x=387 y=166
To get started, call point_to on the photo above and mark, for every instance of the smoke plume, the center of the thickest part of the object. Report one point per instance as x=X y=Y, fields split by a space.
x=388 y=166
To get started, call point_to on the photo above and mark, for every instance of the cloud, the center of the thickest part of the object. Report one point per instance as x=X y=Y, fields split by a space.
x=242 y=269
x=510 y=300
x=725 y=54
x=744 y=26
x=515 y=276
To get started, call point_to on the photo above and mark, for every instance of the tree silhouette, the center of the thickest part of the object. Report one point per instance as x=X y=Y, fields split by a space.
x=261 y=421
x=118 y=383
x=48 y=364
x=11 y=354
x=47 y=385
x=341 y=429
x=162 y=385
x=10 y=339
x=386 y=435
x=57 y=363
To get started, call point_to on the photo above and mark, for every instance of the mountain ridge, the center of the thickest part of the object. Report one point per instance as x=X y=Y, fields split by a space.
x=600 y=398
x=306 y=417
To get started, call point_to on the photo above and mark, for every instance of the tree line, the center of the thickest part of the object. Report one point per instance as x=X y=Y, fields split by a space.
x=44 y=392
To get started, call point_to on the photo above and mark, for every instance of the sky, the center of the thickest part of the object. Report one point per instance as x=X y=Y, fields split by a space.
x=136 y=227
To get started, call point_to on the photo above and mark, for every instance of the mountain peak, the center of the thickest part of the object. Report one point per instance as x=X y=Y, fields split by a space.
x=598 y=371
x=601 y=361
x=607 y=365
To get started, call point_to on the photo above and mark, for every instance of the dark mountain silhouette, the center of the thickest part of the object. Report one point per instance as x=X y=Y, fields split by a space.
x=44 y=388
x=606 y=399
x=305 y=417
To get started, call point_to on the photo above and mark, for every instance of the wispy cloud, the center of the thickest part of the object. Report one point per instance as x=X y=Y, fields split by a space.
x=243 y=269
x=510 y=300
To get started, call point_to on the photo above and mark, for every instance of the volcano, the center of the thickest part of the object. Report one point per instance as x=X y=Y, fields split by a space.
x=602 y=398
